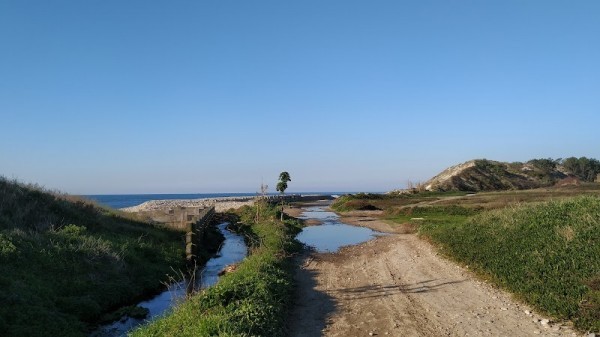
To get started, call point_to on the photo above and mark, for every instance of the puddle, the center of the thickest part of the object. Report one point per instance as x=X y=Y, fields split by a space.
x=232 y=251
x=332 y=234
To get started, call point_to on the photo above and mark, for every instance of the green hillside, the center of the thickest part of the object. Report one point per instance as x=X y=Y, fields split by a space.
x=64 y=262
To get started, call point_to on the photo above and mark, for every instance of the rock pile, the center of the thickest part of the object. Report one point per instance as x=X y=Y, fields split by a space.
x=221 y=204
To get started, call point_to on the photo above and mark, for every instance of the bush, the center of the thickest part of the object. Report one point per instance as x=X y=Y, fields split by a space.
x=6 y=246
x=586 y=169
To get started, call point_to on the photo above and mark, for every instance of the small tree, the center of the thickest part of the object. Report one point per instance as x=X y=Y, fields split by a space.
x=260 y=200
x=282 y=185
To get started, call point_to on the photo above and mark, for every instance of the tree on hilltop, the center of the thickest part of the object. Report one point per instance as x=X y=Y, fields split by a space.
x=586 y=169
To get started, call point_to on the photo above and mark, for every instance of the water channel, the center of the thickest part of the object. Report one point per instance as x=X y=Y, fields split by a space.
x=327 y=237
x=233 y=250
x=332 y=234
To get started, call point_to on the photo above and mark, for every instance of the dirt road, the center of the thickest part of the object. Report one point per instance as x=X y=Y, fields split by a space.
x=397 y=285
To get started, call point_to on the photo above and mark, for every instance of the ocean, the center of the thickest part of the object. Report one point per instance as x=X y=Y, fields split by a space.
x=128 y=200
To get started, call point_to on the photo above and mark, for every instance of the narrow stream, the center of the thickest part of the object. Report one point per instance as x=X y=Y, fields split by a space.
x=232 y=250
x=332 y=234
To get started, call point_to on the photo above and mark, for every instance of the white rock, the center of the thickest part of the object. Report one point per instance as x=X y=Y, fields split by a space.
x=527 y=312
x=545 y=321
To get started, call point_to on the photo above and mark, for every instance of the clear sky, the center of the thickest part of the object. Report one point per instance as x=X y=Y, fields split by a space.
x=213 y=96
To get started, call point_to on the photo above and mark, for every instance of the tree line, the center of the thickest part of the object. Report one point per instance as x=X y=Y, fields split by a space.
x=586 y=169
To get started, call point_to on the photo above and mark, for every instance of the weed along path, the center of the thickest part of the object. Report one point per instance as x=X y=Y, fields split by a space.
x=397 y=285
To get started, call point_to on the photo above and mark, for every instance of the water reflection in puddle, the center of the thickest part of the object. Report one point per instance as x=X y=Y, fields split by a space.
x=332 y=234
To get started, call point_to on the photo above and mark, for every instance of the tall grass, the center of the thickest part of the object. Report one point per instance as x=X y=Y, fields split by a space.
x=65 y=263
x=253 y=300
x=548 y=254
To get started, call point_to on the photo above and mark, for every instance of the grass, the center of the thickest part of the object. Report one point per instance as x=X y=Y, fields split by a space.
x=371 y=201
x=65 y=262
x=417 y=215
x=253 y=300
x=546 y=253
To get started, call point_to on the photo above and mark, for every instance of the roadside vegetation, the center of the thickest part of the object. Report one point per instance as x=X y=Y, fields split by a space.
x=542 y=244
x=251 y=301
x=65 y=262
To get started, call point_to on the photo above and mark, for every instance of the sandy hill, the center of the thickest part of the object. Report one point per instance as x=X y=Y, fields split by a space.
x=488 y=175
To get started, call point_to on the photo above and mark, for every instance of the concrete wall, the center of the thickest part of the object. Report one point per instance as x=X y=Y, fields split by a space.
x=180 y=217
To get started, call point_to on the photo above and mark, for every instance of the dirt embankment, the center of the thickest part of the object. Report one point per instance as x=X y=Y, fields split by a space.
x=397 y=285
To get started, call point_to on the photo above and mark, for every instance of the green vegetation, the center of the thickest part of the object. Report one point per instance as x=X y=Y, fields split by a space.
x=586 y=169
x=378 y=201
x=253 y=300
x=284 y=178
x=417 y=215
x=545 y=253
x=65 y=262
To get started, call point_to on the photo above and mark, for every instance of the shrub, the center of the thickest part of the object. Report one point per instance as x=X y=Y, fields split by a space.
x=6 y=246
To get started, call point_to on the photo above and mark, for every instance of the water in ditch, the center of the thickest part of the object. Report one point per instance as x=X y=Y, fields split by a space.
x=233 y=250
x=332 y=234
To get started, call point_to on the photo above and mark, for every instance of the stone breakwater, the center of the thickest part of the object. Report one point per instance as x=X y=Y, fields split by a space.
x=221 y=204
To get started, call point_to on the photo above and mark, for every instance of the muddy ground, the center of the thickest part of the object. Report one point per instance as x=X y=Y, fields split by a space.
x=398 y=285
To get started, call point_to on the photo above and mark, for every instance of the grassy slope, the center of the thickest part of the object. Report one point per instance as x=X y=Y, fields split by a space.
x=387 y=202
x=253 y=300
x=64 y=263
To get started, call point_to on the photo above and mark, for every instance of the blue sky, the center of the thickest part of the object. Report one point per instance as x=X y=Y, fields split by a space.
x=213 y=96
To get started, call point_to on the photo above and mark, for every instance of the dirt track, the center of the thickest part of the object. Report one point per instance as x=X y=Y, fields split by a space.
x=398 y=285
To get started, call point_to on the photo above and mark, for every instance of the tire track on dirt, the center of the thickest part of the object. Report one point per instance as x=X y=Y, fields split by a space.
x=397 y=285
